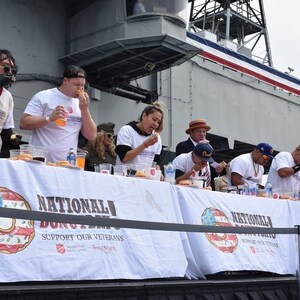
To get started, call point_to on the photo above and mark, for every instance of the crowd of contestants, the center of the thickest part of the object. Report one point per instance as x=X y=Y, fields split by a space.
x=136 y=142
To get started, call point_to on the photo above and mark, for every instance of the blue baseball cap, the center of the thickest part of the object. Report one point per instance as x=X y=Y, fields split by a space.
x=265 y=149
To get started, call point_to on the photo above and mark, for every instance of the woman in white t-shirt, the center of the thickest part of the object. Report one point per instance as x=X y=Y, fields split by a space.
x=139 y=142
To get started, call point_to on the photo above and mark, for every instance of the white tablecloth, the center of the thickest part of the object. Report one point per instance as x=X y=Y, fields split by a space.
x=51 y=251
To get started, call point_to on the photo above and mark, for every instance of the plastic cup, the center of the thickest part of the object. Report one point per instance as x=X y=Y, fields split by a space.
x=26 y=149
x=13 y=153
x=129 y=169
x=140 y=167
x=105 y=168
x=39 y=153
x=80 y=160
x=61 y=122
x=199 y=181
x=157 y=175
x=96 y=168
x=119 y=170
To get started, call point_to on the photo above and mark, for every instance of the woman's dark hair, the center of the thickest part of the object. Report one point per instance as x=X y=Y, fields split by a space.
x=6 y=54
x=150 y=109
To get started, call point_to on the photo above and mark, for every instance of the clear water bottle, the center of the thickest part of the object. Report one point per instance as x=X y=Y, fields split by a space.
x=253 y=189
x=245 y=190
x=71 y=158
x=269 y=190
x=169 y=172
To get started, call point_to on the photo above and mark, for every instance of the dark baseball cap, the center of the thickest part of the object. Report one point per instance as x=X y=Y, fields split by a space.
x=73 y=71
x=204 y=151
x=107 y=127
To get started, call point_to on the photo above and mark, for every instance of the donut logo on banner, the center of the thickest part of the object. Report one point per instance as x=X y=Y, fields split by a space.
x=225 y=242
x=15 y=234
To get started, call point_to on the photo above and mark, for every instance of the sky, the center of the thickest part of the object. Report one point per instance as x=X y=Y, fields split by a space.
x=283 y=22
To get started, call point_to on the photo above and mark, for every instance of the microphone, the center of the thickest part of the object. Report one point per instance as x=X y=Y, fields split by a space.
x=7 y=80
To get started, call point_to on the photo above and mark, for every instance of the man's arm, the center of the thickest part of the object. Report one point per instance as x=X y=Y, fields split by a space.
x=236 y=179
x=287 y=172
x=29 y=122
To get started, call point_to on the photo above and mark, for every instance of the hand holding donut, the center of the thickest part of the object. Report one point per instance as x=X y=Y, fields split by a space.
x=84 y=99
x=153 y=139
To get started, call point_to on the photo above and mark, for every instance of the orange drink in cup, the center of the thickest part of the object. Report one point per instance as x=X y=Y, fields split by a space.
x=80 y=160
x=61 y=121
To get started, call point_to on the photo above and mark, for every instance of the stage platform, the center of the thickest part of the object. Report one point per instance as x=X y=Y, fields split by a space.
x=226 y=286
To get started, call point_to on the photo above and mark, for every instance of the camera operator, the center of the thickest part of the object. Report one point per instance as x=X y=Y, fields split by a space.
x=8 y=70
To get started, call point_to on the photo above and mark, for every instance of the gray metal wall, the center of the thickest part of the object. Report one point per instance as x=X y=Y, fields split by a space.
x=238 y=107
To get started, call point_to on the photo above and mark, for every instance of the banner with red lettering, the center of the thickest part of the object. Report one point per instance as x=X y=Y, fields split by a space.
x=33 y=250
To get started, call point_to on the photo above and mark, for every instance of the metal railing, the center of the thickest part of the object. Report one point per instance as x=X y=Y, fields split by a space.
x=146 y=225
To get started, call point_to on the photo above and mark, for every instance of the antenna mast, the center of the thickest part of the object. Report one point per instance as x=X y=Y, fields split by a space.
x=241 y=22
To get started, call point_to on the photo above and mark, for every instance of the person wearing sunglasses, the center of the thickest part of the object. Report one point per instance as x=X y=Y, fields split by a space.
x=8 y=70
x=249 y=167
x=102 y=149
x=69 y=104
x=284 y=171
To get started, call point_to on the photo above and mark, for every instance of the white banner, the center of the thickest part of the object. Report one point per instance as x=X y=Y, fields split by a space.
x=32 y=251
x=213 y=253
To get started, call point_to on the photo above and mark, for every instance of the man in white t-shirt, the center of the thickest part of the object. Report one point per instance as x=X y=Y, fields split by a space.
x=194 y=163
x=249 y=167
x=68 y=101
x=284 y=171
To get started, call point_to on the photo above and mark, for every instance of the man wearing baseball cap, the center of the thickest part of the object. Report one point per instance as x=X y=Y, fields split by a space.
x=68 y=102
x=249 y=167
x=194 y=163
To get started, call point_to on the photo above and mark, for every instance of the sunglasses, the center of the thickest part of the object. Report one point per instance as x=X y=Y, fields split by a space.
x=110 y=135
x=9 y=69
x=265 y=157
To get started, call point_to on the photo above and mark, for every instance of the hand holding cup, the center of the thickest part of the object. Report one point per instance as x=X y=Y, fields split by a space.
x=59 y=115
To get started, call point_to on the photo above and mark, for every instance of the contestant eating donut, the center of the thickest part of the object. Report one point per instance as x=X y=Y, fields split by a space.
x=139 y=142
x=193 y=164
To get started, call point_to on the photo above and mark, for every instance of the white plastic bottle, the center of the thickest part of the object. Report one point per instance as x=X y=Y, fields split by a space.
x=71 y=158
x=169 y=172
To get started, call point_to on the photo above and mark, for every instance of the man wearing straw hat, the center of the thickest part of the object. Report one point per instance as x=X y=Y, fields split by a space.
x=197 y=134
